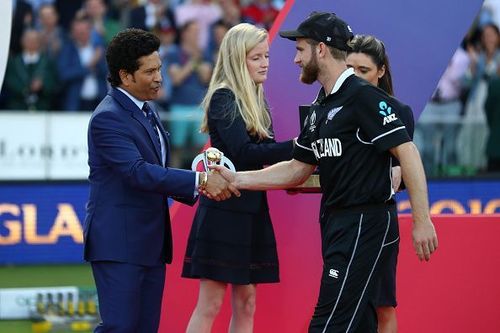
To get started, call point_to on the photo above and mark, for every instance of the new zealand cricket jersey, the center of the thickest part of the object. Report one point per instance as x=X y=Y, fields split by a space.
x=348 y=134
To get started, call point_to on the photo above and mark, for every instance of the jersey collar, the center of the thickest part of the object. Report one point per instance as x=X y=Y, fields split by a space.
x=341 y=79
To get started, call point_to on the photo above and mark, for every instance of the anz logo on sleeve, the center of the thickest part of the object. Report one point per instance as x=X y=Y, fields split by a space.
x=386 y=112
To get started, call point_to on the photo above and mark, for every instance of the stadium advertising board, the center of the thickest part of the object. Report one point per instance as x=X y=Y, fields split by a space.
x=46 y=146
x=43 y=222
x=459 y=197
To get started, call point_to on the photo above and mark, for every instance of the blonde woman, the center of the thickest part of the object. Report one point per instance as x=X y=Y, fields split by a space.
x=232 y=242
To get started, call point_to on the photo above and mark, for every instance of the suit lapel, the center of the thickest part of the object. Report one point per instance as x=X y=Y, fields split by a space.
x=164 y=134
x=138 y=115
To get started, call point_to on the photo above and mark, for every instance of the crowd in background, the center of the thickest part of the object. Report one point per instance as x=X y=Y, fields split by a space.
x=57 y=54
x=458 y=132
x=57 y=63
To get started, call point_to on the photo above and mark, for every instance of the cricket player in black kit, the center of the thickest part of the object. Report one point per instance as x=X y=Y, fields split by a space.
x=352 y=132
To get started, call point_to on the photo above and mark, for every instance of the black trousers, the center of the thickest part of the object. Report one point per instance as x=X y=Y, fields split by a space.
x=355 y=244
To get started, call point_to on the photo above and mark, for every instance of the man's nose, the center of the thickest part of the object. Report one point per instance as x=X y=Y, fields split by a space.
x=296 y=59
x=158 y=77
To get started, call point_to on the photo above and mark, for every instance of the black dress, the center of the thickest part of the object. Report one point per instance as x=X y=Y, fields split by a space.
x=233 y=241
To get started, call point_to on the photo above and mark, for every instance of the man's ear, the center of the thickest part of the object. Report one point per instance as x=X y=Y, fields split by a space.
x=125 y=77
x=320 y=49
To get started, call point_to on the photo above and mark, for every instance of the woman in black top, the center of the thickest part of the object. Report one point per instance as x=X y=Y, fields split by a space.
x=232 y=242
x=369 y=60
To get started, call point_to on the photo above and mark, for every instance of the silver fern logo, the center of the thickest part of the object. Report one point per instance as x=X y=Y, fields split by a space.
x=332 y=113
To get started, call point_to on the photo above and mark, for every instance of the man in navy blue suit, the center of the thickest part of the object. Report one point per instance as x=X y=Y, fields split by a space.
x=127 y=226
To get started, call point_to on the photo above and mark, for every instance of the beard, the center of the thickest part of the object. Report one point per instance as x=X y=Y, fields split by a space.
x=310 y=71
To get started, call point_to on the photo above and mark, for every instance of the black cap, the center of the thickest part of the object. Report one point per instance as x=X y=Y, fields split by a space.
x=323 y=27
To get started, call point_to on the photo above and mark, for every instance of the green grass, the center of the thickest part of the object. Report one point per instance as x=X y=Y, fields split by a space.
x=45 y=276
x=41 y=276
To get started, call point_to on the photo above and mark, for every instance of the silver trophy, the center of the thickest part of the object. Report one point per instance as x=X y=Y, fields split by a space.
x=212 y=156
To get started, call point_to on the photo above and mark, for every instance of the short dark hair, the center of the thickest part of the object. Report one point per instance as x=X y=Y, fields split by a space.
x=337 y=54
x=125 y=49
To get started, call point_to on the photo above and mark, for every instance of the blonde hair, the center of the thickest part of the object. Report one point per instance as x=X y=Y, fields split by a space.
x=231 y=72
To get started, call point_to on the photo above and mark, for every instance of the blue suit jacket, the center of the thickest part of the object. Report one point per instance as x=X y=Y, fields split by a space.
x=127 y=216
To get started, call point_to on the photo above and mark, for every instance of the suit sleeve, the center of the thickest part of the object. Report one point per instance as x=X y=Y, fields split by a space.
x=112 y=140
x=227 y=122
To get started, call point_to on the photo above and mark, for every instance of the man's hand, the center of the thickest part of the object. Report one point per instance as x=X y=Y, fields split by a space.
x=424 y=235
x=425 y=239
x=228 y=175
x=217 y=188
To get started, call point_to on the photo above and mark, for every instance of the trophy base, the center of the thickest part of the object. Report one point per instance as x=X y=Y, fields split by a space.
x=311 y=185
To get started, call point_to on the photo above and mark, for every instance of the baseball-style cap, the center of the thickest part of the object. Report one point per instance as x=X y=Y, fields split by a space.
x=323 y=27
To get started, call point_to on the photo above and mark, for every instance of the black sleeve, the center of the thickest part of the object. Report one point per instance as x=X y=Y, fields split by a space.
x=377 y=115
x=408 y=120
x=226 y=120
x=302 y=150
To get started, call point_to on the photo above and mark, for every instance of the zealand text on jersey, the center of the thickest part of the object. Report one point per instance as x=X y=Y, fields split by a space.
x=327 y=147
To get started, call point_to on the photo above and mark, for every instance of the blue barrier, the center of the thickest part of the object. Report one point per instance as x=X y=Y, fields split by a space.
x=43 y=222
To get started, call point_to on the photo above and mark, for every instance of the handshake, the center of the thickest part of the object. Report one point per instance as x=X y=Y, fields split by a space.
x=212 y=183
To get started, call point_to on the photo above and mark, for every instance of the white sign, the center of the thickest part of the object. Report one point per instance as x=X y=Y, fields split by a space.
x=19 y=303
x=43 y=146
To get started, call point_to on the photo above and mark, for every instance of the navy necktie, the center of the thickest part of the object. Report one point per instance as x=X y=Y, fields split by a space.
x=152 y=121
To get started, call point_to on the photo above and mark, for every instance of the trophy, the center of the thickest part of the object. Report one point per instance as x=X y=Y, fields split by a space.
x=311 y=185
x=212 y=156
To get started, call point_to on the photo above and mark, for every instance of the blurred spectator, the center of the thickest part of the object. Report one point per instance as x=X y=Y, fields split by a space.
x=152 y=14
x=490 y=12
x=167 y=35
x=104 y=28
x=120 y=10
x=82 y=68
x=67 y=10
x=482 y=68
x=440 y=120
x=190 y=73
x=492 y=108
x=219 y=29
x=30 y=78
x=231 y=12
x=204 y=12
x=37 y=4
x=52 y=36
x=22 y=19
x=261 y=13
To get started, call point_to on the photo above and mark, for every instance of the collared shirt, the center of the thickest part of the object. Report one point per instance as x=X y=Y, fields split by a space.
x=90 y=86
x=31 y=58
x=140 y=104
